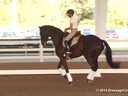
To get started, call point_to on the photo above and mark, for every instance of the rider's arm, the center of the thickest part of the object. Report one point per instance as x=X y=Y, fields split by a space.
x=69 y=28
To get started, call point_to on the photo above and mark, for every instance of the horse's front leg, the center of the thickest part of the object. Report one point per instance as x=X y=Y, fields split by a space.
x=67 y=73
x=61 y=70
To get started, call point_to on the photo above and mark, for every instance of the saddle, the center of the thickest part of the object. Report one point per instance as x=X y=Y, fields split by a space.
x=74 y=40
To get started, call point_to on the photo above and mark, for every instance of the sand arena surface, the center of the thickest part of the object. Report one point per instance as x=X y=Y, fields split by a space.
x=56 y=85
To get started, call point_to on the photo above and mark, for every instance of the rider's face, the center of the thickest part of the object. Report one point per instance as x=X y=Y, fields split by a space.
x=69 y=15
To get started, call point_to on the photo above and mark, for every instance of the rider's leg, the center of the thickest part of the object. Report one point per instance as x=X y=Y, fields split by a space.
x=73 y=32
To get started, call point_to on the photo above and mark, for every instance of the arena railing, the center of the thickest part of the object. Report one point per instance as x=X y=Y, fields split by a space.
x=122 y=46
x=41 y=57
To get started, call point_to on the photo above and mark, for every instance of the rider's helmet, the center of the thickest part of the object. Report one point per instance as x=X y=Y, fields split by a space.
x=70 y=11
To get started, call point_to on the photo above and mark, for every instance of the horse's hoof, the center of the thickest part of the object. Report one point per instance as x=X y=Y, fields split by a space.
x=89 y=81
x=70 y=83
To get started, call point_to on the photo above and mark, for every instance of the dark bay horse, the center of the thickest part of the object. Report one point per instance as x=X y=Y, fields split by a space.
x=89 y=46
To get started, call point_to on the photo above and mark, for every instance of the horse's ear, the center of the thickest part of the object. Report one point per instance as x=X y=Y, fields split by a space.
x=39 y=27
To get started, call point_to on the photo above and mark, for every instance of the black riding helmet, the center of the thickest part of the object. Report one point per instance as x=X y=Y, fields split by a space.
x=70 y=11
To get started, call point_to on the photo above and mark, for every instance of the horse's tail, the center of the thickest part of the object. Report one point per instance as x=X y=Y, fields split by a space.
x=108 y=54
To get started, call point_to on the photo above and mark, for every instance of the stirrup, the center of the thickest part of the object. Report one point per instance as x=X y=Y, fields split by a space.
x=67 y=57
x=68 y=52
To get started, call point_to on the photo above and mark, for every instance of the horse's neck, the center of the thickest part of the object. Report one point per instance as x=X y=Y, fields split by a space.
x=57 y=39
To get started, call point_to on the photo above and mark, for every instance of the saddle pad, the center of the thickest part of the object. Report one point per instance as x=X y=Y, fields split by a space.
x=73 y=42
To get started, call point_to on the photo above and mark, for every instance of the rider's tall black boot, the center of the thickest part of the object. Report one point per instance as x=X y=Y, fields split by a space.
x=67 y=49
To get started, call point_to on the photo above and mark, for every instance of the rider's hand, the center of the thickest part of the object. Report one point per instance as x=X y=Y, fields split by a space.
x=65 y=29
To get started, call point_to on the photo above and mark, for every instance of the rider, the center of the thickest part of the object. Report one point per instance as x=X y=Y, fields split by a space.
x=72 y=27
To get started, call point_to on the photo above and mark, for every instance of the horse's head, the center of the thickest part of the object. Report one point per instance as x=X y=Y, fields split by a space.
x=55 y=33
x=44 y=33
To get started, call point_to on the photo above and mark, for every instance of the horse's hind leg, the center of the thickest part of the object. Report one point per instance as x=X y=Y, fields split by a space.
x=94 y=66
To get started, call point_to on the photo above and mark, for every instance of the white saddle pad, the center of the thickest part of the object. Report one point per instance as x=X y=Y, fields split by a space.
x=74 y=41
